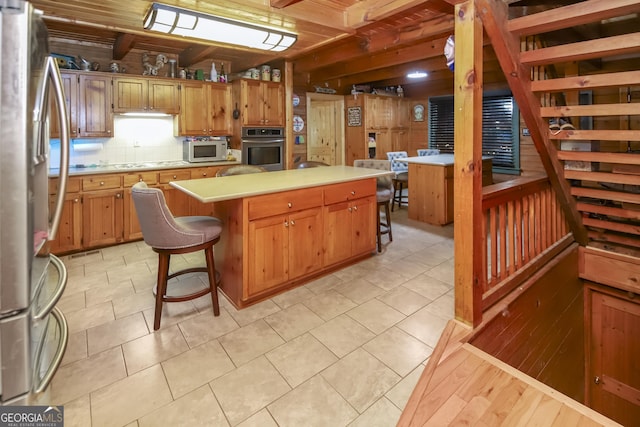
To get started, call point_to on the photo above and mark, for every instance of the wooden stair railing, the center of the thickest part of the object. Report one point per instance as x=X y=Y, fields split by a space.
x=598 y=189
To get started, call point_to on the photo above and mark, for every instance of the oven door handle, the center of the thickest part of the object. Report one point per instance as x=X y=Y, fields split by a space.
x=262 y=140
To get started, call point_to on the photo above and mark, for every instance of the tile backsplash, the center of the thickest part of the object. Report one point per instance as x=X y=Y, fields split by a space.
x=135 y=140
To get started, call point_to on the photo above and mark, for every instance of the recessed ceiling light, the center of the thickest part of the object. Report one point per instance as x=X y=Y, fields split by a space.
x=417 y=74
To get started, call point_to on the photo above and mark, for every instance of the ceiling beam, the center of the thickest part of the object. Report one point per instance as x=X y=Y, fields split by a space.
x=123 y=45
x=281 y=4
x=195 y=54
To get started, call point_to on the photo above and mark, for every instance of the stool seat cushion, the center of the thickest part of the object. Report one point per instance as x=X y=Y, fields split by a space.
x=209 y=227
x=384 y=194
x=402 y=176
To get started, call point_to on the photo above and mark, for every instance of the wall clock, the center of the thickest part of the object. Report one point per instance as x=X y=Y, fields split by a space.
x=418 y=113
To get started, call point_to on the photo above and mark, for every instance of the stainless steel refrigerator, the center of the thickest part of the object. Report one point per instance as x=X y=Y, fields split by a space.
x=33 y=333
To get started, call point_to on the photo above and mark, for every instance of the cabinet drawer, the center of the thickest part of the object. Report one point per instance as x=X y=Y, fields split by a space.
x=349 y=190
x=208 y=172
x=177 y=175
x=150 y=178
x=288 y=201
x=101 y=182
x=73 y=185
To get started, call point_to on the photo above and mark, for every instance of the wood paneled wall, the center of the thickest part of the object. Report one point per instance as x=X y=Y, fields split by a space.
x=541 y=331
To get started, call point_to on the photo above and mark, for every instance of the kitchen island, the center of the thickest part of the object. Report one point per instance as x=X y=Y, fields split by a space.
x=431 y=187
x=283 y=228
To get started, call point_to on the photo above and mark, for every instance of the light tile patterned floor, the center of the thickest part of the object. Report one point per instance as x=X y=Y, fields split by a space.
x=345 y=349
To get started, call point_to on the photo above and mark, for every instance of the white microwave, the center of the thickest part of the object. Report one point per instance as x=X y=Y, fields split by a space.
x=205 y=149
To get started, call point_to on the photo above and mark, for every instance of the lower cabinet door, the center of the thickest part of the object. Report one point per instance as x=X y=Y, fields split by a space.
x=102 y=218
x=268 y=254
x=363 y=223
x=337 y=225
x=305 y=242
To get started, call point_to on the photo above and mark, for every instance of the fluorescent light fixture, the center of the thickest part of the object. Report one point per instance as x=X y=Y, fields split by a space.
x=141 y=114
x=417 y=74
x=188 y=23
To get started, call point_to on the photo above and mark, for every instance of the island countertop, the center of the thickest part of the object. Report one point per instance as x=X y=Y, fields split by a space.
x=218 y=189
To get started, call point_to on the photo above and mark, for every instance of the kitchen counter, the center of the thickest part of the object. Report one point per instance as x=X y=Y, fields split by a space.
x=437 y=160
x=78 y=170
x=238 y=186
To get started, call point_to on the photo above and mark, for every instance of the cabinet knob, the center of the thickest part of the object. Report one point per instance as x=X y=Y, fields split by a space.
x=204 y=174
x=292 y=222
x=349 y=209
x=76 y=200
x=140 y=180
x=353 y=193
x=101 y=182
x=286 y=223
x=118 y=196
x=175 y=177
x=596 y=380
x=355 y=208
x=289 y=204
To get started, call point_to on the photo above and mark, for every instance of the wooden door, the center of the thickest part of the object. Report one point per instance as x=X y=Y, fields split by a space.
x=383 y=144
x=164 y=96
x=322 y=132
x=268 y=254
x=194 y=115
x=613 y=377
x=95 y=118
x=273 y=112
x=130 y=95
x=102 y=218
x=363 y=225
x=220 y=109
x=70 y=87
x=69 y=236
x=337 y=226
x=252 y=100
x=305 y=242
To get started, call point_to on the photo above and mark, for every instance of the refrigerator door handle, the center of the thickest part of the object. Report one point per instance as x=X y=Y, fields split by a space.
x=53 y=73
x=41 y=385
x=62 y=284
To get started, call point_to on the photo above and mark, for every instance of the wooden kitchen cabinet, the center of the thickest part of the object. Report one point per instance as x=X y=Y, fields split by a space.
x=349 y=220
x=102 y=210
x=131 y=225
x=93 y=106
x=612 y=377
x=145 y=95
x=261 y=102
x=70 y=87
x=205 y=109
x=285 y=237
x=69 y=235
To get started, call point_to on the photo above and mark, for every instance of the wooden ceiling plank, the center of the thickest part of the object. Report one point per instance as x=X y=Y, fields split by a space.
x=570 y=16
x=365 y=12
x=123 y=45
x=424 y=31
x=610 y=46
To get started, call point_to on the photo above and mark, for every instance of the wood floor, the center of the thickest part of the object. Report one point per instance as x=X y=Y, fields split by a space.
x=470 y=387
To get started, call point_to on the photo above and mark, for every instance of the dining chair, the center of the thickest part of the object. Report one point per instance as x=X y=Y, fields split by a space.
x=168 y=235
x=428 y=151
x=240 y=170
x=384 y=194
x=401 y=179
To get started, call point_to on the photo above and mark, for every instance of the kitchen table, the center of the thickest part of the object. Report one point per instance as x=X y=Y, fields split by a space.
x=284 y=228
x=431 y=187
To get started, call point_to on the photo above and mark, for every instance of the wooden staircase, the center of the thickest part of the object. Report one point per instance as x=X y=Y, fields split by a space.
x=594 y=164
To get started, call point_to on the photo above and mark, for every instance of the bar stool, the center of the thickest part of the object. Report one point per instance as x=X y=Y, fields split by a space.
x=310 y=164
x=240 y=170
x=384 y=194
x=168 y=235
x=401 y=180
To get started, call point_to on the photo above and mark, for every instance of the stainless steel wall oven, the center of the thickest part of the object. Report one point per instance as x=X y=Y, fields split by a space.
x=263 y=147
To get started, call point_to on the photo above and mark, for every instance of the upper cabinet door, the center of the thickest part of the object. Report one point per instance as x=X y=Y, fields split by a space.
x=130 y=95
x=94 y=106
x=164 y=96
x=194 y=115
x=252 y=100
x=273 y=94
x=220 y=109
x=70 y=85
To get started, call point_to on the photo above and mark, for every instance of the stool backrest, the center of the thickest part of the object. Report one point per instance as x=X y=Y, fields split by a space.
x=159 y=227
x=396 y=166
x=384 y=182
x=428 y=152
x=310 y=164
x=240 y=170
